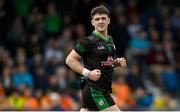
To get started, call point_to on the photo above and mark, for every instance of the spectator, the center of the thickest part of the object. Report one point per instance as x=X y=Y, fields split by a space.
x=164 y=102
x=134 y=78
x=21 y=77
x=169 y=79
x=143 y=100
x=22 y=7
x=176 y=18
x=52 y=21
x=30 y=102
x=121 y=36
x=16 y=100
x=5 y=79
x=121 y=92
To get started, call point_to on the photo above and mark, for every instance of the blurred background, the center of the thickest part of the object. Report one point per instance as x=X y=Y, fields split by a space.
x=37 y=35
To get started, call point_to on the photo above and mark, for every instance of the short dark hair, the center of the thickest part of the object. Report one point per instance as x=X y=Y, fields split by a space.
x=99 y=10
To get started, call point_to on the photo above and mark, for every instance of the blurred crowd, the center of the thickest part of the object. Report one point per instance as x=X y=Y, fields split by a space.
x=37 y=35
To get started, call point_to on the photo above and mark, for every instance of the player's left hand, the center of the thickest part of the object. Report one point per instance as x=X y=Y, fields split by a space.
x=120 y=62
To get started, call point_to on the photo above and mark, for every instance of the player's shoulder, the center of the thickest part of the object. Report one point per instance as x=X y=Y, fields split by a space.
x=93 y=38
x=85 y=40
x=90 y=38
x=110 y=36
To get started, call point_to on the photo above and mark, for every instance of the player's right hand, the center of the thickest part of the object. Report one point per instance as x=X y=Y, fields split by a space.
x=94 y=74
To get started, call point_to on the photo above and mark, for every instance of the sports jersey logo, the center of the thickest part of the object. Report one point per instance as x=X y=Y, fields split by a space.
x=108 y=62
x=101 y=102
x=109 y=47
x=101 y=47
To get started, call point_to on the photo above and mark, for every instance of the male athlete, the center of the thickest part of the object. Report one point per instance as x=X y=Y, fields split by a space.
x=97 y=52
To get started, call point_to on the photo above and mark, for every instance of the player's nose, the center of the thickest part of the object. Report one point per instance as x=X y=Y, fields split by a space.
x=100 y=20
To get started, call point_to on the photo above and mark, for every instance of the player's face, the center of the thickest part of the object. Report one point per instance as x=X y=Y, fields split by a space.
x=100 y=22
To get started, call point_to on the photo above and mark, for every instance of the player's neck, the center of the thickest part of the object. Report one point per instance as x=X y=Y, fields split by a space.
x=103 y=34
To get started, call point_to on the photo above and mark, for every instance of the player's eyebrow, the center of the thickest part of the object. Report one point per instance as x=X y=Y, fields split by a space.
x=103 y=18
x=98 y=18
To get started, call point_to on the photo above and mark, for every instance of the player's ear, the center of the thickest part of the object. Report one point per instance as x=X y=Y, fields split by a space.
x=92 y=22
x=109 y=20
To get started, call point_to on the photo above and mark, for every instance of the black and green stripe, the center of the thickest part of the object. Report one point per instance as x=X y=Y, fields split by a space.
x=80 y=48
x=98 y=98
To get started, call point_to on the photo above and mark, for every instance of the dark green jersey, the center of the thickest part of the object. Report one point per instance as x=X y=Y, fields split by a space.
x=98 y=53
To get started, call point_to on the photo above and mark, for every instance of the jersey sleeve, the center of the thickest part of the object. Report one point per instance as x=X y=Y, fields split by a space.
x=82 y=47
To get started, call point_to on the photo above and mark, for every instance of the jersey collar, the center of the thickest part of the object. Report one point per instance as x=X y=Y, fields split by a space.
x=100 y=37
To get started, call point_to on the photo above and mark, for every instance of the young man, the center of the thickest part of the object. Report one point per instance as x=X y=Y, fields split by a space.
x=97 y=52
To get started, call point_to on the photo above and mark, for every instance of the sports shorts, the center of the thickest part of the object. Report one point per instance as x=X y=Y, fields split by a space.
x=95 y=99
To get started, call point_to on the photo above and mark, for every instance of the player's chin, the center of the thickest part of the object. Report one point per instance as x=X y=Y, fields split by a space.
x=101 y=29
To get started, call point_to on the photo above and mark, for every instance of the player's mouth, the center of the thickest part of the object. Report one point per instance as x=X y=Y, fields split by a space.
x=101 y=26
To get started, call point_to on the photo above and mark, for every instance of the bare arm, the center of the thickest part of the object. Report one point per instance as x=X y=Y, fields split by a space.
x=72 y=61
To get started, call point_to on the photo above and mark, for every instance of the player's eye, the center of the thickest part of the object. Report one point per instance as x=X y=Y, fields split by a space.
x=103 y=18
x=97 y=19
